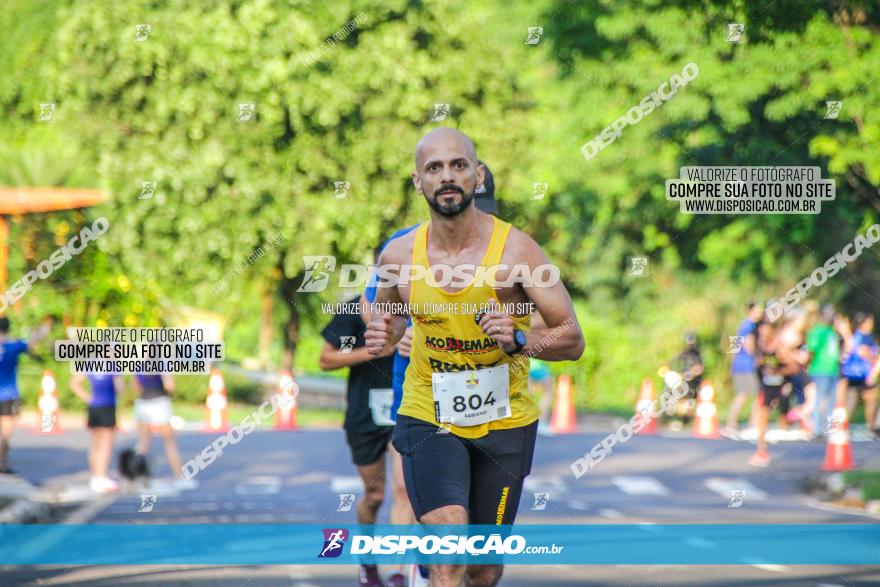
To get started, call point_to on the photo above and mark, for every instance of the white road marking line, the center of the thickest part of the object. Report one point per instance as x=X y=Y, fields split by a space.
x=308 y=478
x=776 y=435
x=640 y=485
x=551 y=483
x=351 y=484
x=161 y=487
x=609 y=513
x=207 y=506
x=723 y=486
x=264 y=485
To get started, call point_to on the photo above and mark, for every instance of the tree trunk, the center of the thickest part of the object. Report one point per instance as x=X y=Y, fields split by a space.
x=265 y=342
x=290 y=330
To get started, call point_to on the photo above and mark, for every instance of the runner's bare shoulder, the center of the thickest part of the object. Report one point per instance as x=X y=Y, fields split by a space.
x=521 y=247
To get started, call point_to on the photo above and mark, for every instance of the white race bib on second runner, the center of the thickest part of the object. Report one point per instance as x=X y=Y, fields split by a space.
x=468 y=398
x=380 y=406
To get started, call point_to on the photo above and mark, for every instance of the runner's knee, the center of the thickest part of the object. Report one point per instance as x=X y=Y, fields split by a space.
x=447 y=514
x=374 y=496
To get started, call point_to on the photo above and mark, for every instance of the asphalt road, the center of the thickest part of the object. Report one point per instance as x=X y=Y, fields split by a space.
x=297 y=477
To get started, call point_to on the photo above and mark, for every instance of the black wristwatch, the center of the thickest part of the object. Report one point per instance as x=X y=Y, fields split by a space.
x=519 y=337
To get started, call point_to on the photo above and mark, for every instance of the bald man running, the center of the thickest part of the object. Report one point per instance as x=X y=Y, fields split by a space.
x=466 y=428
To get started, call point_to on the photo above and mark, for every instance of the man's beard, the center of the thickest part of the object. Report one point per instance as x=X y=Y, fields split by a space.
x=452 y=209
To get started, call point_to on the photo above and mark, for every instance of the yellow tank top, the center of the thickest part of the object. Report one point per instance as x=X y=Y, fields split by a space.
x=453 y=341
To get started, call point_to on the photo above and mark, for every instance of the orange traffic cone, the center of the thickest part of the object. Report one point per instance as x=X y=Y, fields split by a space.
x=48 y=406
x=838 y=451
x=564 y=420
x=706 y=414
x=285 y=418
x=646 y=399
x=216 y=419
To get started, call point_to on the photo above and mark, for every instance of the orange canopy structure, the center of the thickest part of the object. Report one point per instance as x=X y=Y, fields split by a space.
x=26 y=200
x=29 y=200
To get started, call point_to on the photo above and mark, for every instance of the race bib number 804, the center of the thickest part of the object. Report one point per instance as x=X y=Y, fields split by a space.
x=468 y=398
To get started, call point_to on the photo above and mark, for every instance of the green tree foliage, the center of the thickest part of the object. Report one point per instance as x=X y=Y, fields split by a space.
x=757 y=102
x=167 y=110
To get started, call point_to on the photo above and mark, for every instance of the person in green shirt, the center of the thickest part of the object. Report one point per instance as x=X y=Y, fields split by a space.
x=824 y=347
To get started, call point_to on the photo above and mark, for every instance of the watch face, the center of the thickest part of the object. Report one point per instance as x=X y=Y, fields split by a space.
x=520 y=338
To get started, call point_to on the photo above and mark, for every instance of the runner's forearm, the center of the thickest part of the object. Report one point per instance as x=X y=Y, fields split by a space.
x=337 y=360
x=561 y=343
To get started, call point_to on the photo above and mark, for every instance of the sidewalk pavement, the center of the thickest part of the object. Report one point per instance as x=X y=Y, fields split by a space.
x=24 y=503
x=19 y=501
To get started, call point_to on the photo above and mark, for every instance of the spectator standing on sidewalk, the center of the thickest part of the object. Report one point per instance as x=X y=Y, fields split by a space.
x=152 y=410
x=824 y=369
x=101 y=403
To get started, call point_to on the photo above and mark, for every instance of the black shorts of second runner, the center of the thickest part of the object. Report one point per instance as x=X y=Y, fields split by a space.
x=102 y=417
x=483 y=475
x=367 y=447
x=774 y=398
x=10 y=407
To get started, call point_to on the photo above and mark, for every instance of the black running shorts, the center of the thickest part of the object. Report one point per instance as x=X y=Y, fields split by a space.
x=367 y=447
x=102 y=417
x=772 y=395
x=483 y=475
x=10 y=407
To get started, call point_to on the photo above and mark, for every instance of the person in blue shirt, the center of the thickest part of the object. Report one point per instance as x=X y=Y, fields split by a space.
x=743 y=370
x=401 y=512
x=860 y=352
x=873 y=376
x=101 y=423
x=10 y=402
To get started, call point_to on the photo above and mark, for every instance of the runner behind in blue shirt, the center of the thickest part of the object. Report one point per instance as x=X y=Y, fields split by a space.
x=743 y=369
x=10 y=402
x=101 y=423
